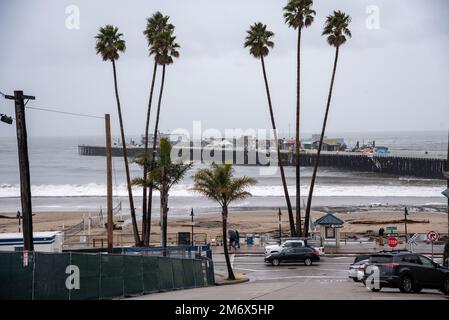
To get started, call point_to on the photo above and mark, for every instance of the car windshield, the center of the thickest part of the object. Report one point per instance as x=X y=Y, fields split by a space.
x=360 y=258
x=292 y=244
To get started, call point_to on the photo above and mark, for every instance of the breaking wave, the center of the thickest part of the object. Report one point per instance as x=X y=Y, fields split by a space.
x=183 y=190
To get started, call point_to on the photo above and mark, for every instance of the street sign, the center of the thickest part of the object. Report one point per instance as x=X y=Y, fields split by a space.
x=392 y=242
x=392 y=228
x=433 y=236
x=392 y=235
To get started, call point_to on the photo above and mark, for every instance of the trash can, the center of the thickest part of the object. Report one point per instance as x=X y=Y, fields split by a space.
x=249 y=239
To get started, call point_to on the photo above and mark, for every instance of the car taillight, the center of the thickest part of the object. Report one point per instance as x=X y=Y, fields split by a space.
x=315 y=252
x=393 y=264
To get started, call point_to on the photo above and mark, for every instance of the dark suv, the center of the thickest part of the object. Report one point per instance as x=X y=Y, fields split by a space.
x=407 y=271
x=296 y=254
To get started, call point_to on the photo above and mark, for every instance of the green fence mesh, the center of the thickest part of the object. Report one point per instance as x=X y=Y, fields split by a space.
x=210 y=272
x=150 y=274
x=189 y=275
x=199 y=273
x=75 y=276
x=111 y=276
x=50 y=276
x=16 y=280
x=165 y=273
x=133 y=275
x=89 y=272
x=178 y=273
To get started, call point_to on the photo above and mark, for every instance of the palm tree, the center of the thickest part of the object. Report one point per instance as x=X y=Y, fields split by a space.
x=218 y=184
x=164 y=49
x=162 y=175
x=336 y=29
x=298 y=15
x=259 y=41
x=109 y=44
x=155 y=24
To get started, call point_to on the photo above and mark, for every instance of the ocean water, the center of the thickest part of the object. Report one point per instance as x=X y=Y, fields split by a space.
x=62 y=180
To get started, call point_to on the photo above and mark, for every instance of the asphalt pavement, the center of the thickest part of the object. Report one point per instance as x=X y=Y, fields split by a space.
x=326 y=279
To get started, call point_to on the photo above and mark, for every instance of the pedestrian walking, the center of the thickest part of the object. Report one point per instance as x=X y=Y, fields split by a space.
x=381 y=236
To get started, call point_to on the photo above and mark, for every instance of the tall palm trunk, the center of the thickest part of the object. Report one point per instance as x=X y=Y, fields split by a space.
x=146 y=224
x=317 y=159
x=225 y=242
x=280 y=162
x=164 y=215
x=125 y=157
x=156 y=127
x=298 y=140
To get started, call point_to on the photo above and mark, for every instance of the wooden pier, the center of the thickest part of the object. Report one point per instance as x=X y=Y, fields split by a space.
x=405 y=164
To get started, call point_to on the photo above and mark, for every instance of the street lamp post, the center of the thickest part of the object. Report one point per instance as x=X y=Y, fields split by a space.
x=280 y=224
x=405 y=222
x=192 y=215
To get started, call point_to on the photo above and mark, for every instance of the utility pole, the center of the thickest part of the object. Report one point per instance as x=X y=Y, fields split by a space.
x=191 y=215
x=447 y=175
x=110 y=224
x=24 y=168
x=280 y=225
x=405 y=221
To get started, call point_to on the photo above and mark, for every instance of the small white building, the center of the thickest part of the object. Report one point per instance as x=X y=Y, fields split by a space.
x=50 y=241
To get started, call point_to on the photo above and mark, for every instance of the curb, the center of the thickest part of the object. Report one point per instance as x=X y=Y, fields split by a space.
x=229 y=282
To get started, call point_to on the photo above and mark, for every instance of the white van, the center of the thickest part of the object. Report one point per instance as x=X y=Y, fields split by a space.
x=51 y=241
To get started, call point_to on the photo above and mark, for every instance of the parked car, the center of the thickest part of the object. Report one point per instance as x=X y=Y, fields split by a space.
x=307 y=255
x=357 y=268
x=409 y=272
x=275 y=248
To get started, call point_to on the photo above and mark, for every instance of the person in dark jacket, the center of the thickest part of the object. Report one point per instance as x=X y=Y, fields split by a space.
x=232 y=238
x=381 y=236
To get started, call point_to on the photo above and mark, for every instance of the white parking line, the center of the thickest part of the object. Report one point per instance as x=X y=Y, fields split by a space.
x=304 y=277
x=262 y=262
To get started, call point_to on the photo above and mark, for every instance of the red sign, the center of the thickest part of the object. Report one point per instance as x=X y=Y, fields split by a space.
x=433 y=236
x=392 y=242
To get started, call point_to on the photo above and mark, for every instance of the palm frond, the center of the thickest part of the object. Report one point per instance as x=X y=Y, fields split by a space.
x=109 y=43
x=336 y=28
x=298 y=14
x=258 y=40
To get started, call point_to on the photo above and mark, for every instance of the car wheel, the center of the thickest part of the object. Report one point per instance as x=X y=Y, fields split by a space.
x=275 y=262
x=446 y=286
x=406 y=284
x=308 y=262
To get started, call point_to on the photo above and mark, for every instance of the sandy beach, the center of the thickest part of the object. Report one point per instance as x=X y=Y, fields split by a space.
x=259 y=222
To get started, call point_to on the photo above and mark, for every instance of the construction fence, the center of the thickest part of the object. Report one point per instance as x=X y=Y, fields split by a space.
x=82 y=276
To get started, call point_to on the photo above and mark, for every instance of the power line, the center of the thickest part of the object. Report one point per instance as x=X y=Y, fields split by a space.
x=66 y=113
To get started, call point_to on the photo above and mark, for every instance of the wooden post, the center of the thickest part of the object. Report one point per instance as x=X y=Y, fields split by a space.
x=109 y=182
x=447 y=168
x=24 y=168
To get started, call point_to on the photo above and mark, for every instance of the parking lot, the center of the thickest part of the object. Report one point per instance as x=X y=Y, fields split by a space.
x=327 y=279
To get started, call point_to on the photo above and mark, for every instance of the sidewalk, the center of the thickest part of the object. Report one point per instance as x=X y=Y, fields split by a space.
x=343 y=249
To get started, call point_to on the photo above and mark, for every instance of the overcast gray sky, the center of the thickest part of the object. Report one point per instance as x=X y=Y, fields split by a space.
x=388 y=79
